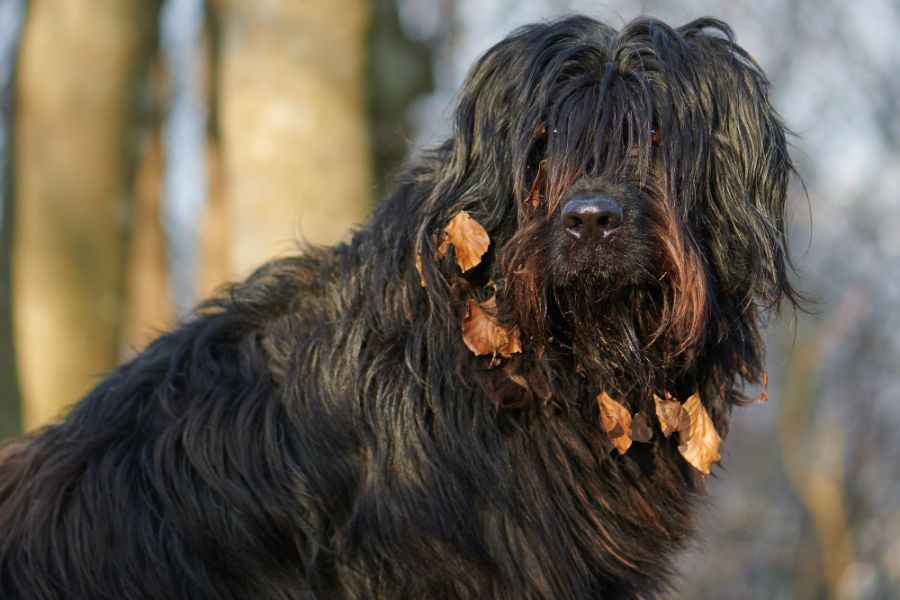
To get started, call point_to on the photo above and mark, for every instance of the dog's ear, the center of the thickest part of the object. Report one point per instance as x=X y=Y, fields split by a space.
x=498 y=125
x=481 y=166
x=748 y=170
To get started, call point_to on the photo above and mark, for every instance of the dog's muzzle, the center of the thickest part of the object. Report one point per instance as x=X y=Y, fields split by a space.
x=590 y=219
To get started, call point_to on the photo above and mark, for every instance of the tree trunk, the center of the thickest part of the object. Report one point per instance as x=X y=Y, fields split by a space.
x=293 y=124
x=11 y=17
x=80 y=75
x=148 y=306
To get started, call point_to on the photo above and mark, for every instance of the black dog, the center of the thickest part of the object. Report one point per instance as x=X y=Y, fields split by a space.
x=414 y=414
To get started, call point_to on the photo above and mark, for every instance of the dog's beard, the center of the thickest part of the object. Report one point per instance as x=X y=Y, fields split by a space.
x=608 y=332
x=601 y=296
x=596 y=305
x=601 y=271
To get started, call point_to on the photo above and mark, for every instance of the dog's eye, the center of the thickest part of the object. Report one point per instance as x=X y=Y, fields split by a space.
x=655 y=136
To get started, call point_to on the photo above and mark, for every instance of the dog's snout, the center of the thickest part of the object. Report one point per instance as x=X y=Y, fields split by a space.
x=591 y=219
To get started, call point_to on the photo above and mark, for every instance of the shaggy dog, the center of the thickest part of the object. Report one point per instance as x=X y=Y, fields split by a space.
x=508 y=384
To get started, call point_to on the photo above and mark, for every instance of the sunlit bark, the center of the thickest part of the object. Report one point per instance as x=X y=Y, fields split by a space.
x=80 y=74
x=293 y=124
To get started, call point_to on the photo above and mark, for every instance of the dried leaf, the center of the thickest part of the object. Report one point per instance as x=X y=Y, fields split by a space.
x=483 y=335
x=419 y=269
x=671 y=414
x=533 y=386
x=513 y=344
x=519 y=380
x=616 y=421
x=640 y=429
x=469 y=239
x=701 y=448
x=764 y=394
x=534 y=196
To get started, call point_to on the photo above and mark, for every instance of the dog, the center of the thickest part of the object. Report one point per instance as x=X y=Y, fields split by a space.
x=508 y=384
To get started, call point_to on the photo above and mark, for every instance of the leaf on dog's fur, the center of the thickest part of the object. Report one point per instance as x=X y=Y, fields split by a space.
x=419 y=269
x=534 y=196
x=700 y=442
x=616 y=421
x=671 y=414
x=483 y=335
x=469 y=239
x=764 y=394
x=640 y=429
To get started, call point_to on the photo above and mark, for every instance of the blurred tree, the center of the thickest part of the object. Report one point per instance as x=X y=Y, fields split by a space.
x=216 y=227
x=294 y=134
x=399 y=72
x=81 y=70
x=148 y=307
x=11 y=14
x=10 y=408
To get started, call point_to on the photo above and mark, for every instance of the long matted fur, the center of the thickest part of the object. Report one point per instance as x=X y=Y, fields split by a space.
x=322 y=430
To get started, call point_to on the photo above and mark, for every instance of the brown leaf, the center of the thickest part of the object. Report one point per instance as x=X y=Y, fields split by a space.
x=764 y=394
x=483 y=335
x=469 y=239
x=534 y=196
x=419 y=269
x=640 y=429
x=513 y=344
x=701 y=448
x=616 y=421
x=671 y=414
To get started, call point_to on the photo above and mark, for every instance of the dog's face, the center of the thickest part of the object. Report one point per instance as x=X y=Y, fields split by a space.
x=634 y=185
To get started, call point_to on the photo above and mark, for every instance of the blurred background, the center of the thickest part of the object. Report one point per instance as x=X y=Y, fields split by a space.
x=151 y=151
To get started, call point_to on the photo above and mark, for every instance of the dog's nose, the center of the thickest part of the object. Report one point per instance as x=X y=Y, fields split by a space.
x=591 y=219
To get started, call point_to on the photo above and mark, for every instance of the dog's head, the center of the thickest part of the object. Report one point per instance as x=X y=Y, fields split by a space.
x=633 y=183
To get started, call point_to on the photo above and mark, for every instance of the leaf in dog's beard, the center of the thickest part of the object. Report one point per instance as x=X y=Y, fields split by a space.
x=700 y=442
x=419 y=269
x=616 y=421
x=671 y=414
x=640 y=429
x=483 y=335
x=469 y=239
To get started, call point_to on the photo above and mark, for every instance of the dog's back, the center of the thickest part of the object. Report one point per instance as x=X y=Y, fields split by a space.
x=173 y=478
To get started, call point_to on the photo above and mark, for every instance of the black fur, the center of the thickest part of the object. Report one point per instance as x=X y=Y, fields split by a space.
x=323 y=431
